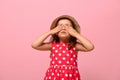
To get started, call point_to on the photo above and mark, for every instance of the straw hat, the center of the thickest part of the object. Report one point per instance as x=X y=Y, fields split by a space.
x=74 y=21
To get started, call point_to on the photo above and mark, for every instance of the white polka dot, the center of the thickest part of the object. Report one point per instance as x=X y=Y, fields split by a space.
x=59 y=62
x=56 y=51
x=54 y=78
x=52 y=73
x=63 y=51
x=53 y=62
x=66 y=75
x=53 y=55
x=77 y=78
x=64 y=58
x=60 y=70
x=63 y=71
x=71 y=51
x=74 y=55
x=74 y=63
x=67 y=62
x=69 y=67
x=49 y=77
x=73 y=48
x=56 y=58
x=53 y=47
x=66 y=48
x=67 y=54
x=63 y=44
x=71 y=59
x=76 y=71
x=60 y=47
x=56 y=70
x=54 y=66
x=48 y=71
x=63 y=79
x=59 y=54
x=70 y=75
x=65 y=67
x=57 y=45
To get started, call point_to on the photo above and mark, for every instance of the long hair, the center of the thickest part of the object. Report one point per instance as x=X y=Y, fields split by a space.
x=75 y=25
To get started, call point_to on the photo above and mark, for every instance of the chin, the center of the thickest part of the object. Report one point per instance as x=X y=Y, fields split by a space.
x=63 y=37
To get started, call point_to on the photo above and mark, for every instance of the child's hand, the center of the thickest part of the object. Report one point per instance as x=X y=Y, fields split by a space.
x=56 y=29
x=71 y=30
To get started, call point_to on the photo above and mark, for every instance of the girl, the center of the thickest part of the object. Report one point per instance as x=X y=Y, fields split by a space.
x=64 y=44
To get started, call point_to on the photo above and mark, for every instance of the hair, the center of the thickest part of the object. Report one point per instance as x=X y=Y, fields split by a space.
x=75 y=25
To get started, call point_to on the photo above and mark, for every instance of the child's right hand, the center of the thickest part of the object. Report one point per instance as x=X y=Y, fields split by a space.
x=56 y=29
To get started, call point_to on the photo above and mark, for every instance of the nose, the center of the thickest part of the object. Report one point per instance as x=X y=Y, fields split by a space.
x=63 y=27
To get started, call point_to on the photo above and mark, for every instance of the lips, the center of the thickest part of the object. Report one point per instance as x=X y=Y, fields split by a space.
x=63 y=32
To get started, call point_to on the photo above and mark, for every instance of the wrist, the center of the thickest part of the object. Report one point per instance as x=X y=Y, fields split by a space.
x=74 y=33
x=50 y=32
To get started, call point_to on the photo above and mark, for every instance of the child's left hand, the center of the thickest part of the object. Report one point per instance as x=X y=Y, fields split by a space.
x=71 y=30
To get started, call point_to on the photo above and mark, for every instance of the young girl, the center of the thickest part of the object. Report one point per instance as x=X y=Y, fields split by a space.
x=65 y=43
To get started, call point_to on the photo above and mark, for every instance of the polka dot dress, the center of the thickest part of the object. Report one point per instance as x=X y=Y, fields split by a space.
x=63 y=64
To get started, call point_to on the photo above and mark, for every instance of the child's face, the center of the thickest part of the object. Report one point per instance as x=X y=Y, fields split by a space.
x=63 y=34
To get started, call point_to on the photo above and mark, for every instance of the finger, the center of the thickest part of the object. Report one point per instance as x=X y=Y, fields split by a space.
x=59 y=27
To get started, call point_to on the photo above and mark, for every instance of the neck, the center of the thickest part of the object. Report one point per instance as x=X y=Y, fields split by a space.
x=64 y=40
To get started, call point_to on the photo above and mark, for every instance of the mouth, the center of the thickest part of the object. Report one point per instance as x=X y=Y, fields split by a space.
x=63 y=32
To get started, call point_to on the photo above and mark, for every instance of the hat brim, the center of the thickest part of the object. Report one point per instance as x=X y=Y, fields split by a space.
x=55 y=21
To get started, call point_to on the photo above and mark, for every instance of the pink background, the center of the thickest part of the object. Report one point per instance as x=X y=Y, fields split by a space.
x=21 y=21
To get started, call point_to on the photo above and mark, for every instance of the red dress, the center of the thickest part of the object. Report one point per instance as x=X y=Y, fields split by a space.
x=63 y=64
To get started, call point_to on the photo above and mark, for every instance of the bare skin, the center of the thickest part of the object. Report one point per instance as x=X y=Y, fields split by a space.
x=64 y=30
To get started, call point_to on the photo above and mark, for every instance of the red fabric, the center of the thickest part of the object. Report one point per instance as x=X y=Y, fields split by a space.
x=63 y=64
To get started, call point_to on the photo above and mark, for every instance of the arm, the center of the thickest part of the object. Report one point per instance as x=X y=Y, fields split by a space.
x=83 y=43
x=39 y=43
